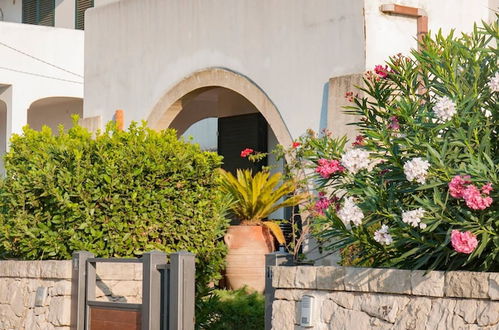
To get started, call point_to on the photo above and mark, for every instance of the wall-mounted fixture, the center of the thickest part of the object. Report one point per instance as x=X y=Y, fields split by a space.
x=307 y=311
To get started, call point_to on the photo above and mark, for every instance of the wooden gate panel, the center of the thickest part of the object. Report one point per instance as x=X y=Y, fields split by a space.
x=114 y=319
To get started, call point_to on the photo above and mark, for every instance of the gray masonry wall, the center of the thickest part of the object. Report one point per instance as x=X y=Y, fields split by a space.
x=19 y=281
x=365 y=298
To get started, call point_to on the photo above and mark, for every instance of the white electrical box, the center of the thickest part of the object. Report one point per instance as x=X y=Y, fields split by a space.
x=307 y=311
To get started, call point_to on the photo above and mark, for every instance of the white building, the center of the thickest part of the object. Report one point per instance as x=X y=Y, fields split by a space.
x=41 y=63
x=263 y=71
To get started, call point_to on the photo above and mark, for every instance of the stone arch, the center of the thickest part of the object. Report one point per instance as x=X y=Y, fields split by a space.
x=53 y=111
x=172 y=103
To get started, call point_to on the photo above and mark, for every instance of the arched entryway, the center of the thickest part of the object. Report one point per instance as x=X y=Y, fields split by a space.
x=54 y=111
x=246 y=115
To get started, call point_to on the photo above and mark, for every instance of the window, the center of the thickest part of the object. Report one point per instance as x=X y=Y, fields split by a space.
x=39 y=12
x=81 y=6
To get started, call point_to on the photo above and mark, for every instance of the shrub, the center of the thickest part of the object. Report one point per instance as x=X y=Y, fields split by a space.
x=231 y=310
x=418 y=188
x=119 y=194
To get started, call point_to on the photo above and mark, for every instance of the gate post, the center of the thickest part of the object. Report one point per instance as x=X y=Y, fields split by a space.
x=182 y=291
x=78 y=278
x=278 y=258
x=151 y=289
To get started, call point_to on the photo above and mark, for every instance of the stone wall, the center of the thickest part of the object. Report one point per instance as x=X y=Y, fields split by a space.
x=362 y=298
x=20 y=280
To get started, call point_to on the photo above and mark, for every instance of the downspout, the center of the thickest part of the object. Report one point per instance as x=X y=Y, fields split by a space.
x=419 y=14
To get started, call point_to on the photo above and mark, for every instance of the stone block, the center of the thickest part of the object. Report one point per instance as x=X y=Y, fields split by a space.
x=61 y=288
x=441 y=314
x=330 y=278
x=467 y=284
x=56 y=269
x=494 y=286
x=305 y=277
x=60 y=311
x=382 y=306
x=17 y=300
x=415 y=314
x=115 y=271
x=429 y=284
x=390 y=281
x=289 y=294
x=343 y=299
x=357 y=279
x=6 y=284
x=127 y=288
x=487 y=313
x=276 y=272
x=466 y=308
x=347 y=319
x=283 y=314
x=6 y=267
x=137 y=272
x=18 y=269
x=327 y=310
x=33 y=269
x=286 y=277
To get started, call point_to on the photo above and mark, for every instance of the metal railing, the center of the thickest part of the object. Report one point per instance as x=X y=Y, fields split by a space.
x=167 y=293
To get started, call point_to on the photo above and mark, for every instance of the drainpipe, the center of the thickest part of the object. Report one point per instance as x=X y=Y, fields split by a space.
x=419 y=14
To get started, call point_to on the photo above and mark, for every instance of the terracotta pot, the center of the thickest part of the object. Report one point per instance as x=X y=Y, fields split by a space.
x=246 y=258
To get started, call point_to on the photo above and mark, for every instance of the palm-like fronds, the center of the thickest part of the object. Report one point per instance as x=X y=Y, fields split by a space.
x=257 y=196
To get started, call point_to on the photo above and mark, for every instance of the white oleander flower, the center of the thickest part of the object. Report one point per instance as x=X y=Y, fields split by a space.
x=413 y=218
x=382 y=236
x=355 y=160
x=416 y=169
x=494 y=83
x=444 y=108
x=350 y=212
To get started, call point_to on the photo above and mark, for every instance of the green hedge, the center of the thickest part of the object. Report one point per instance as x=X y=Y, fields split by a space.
x=232 y=310
x=117 y=194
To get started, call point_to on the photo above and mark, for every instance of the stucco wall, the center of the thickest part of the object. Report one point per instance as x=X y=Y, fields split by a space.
x=19 y=281
x=31 y=79
x=137 y=50
x=388 y=35
x=364 y=298
x=12 y=10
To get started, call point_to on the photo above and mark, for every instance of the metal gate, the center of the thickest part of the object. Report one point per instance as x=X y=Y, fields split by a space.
x=167 y=294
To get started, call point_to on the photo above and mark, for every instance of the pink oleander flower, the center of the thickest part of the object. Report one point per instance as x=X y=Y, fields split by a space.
x=474 y=198
x=463 y=242
x=394 y=123
x=487 y=188
x=458 y=184
x=322 y=204
x=246 y=152
x=359 y=141
x=327 y=167
x=381 y=71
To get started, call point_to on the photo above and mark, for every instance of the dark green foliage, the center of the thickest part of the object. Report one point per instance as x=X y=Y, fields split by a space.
x=117 y=195
x=228 y=310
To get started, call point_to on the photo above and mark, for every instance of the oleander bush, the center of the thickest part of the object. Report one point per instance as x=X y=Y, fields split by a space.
x=118 y=194
x=418 y=188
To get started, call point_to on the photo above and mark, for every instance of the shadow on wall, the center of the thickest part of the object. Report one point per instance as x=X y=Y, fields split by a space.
x=54 y=111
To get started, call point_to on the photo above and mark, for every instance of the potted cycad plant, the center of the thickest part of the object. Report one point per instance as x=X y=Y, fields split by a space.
x=253 y=197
